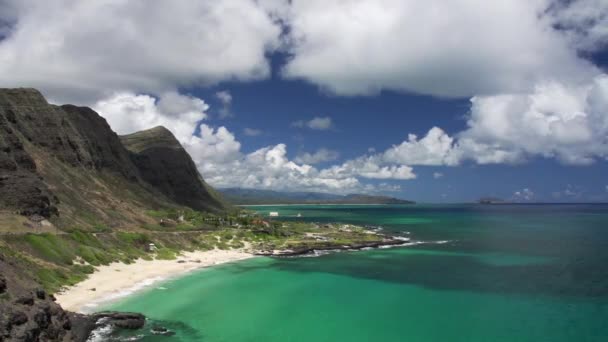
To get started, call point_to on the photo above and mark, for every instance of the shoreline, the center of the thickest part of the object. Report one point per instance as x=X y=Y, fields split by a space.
x=118 y=280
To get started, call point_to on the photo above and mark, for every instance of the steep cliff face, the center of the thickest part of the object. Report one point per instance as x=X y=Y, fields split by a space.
x=65 y=163
x=21 y=186
x=163 y=163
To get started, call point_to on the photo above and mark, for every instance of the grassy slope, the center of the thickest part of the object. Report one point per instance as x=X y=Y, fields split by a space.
x=56 y=260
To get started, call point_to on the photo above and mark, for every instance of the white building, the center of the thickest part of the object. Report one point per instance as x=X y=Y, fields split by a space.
x=274 y=214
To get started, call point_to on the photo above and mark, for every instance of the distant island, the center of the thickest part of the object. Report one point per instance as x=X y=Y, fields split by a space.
x=241 y=196
x=491 y=200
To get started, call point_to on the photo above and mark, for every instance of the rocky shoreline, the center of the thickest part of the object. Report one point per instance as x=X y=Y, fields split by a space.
x=84 y=325
x=311 y=250
x=29 y=314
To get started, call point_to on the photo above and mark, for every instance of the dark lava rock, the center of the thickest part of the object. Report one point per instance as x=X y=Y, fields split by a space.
x=158 y=330
x=40 y=294
x=17 y=318
x=42 y=319
x=80 y=326
x=27 y=317
x=25 y=300
x=2 y=284
x=124 y=320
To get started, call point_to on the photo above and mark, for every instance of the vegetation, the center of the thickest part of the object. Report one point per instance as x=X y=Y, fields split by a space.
x=64 y=258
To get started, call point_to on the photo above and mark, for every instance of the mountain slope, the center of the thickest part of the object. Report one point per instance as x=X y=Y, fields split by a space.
x=164 y=164
x=255 y=196
x=65 y=164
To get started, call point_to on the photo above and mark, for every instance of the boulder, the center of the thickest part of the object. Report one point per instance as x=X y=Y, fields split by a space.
x=158 y=330
x=25 y=300
x=17 y=318
x=42 y=319
x=40 y=294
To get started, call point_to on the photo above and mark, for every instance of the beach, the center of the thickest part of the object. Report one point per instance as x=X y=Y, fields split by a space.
x=116 y=280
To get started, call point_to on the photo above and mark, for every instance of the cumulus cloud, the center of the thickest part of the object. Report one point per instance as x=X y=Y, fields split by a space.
x=83 y=51
x=585 y=22
x=252 y=132
x=568 y=122
x=225 y=99
x=433 y=149
x=128 y=112
x=370 y=167
x=358 y=47
x=320 y=123
x=320 y=156
x=524 y=194
x=555 y=120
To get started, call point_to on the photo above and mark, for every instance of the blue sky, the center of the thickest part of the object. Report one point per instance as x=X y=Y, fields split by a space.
x=383 y=120
x=432 y=101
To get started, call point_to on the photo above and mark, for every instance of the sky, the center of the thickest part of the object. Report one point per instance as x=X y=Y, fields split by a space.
x=435 y=101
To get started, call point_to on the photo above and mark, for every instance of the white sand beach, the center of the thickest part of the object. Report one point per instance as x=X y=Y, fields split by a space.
x=117 y=280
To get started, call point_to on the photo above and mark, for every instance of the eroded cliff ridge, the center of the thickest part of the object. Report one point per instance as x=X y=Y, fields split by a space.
x=65 y=164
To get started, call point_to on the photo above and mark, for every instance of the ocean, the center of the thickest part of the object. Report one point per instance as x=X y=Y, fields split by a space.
x=481 y=273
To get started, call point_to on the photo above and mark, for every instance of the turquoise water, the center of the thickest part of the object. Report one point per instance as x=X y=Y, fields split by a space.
x=509 y=273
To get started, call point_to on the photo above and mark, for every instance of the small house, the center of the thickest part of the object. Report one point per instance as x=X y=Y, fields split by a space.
x=274 y=214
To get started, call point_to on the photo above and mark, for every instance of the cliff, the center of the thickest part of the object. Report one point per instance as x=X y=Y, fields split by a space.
x=163 y=163
x=66 y=165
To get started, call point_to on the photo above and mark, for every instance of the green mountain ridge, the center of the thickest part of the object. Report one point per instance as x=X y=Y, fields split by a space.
x=65 y=164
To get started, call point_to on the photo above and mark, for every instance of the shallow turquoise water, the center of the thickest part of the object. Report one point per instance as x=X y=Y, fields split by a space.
x=509 y=273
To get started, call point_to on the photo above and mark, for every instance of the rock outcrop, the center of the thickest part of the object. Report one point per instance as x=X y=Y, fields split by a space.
x=27 y=313
x=163 y=163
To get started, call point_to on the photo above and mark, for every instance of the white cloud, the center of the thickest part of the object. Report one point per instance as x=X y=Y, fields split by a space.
x=128 y=113
x=320 y=156
x=252 y=132
x=555 y=120
x=432 y=149
x=437 y=175
x=83 y=51
x=369 y=167
x=568 y=122
x=225 y=98
x=523 y=195
x=443 y=48
x=320 y=123
x=585 y=21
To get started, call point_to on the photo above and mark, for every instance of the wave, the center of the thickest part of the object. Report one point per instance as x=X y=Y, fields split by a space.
x=123 y=293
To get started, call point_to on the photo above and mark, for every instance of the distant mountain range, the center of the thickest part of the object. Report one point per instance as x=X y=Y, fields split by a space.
x=255 y=196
